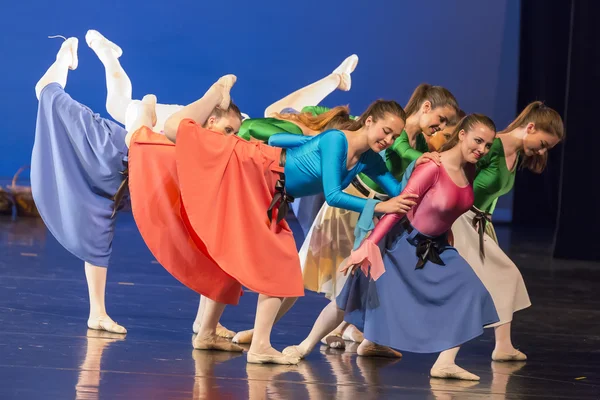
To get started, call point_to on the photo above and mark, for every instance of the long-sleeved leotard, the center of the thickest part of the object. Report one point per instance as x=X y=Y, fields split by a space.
x=319 y=164
x=494 y=178
x=439 y=204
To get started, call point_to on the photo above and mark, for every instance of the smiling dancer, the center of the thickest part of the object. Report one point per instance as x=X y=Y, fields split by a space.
x=529 y=137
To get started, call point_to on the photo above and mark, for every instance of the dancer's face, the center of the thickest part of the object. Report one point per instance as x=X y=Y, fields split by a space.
x=537 y=142
x=228 y=124
x=382 y=133
x=476 y=142
x=436 y=141
x=434 y=119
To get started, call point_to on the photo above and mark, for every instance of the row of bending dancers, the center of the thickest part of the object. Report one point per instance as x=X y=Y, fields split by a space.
x=396 y=205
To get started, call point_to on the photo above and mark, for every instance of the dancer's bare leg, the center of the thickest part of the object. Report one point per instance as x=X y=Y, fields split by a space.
x=207 y=338
x=261 y=351
x=314 y=93
x=505 y=350
x=66 y=59
x=445 y=367
x=200 y=110
x=221 y=330
x=330 y=317
x=98 y=318
x=245 y=337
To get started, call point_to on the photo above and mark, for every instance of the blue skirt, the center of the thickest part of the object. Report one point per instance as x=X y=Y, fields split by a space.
x=424 y=310
x=77 y=166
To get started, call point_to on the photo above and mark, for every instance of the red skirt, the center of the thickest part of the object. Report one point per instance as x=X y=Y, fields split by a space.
x=156 y=207
x=227 y=185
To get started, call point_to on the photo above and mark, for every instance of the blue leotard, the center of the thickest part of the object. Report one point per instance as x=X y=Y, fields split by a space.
x=318 y=164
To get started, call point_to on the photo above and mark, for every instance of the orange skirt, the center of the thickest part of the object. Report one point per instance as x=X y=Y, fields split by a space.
x=227 y=185
x=156 y=207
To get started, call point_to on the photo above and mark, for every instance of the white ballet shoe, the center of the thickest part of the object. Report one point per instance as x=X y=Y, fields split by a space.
x=215 y=342
x=351 y=333
x=452 y=372
x=514 y=356
x=243 y=337
x=370 y=349
x=293 y=352
x=70 y=45
x=95 y=40
x=344 y=70
x=334 y=340
x=106 y=324
x=224 y=85
x=221 y=330
x=281 y=359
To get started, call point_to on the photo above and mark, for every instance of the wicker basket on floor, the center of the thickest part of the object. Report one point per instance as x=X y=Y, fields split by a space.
x=6 y=202
x=22 y=197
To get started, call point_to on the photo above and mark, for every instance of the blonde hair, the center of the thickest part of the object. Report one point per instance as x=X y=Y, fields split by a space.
x=335 y=118
x=376 y=110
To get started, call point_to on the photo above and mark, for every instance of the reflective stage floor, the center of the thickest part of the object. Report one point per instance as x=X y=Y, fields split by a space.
x=47 y=352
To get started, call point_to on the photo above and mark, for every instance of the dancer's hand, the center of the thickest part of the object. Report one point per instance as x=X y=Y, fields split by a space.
x=426 y=157
x=349 y=268
x=399 y=204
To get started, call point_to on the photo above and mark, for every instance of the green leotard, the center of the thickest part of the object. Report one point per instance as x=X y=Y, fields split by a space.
x=398 y=158
x=494 y=179
x=263 y=128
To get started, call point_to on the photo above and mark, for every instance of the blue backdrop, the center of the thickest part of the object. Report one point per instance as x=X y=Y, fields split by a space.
x=176 y=49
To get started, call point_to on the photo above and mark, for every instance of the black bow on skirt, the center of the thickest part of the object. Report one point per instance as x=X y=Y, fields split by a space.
x=281 y=200
x=479 y=222
x=429 y=250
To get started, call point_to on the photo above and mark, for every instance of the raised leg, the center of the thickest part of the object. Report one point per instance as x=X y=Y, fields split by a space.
x=314 y=93
x=118 y=84
x=66 y=59
x=200 y=110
